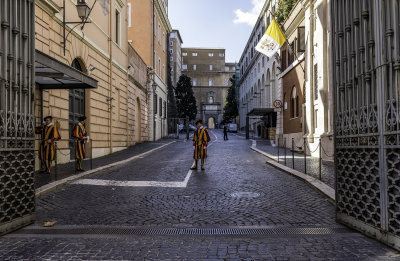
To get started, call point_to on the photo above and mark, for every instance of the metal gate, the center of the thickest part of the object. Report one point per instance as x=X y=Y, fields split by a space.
x=366 y=68
x=17 y=121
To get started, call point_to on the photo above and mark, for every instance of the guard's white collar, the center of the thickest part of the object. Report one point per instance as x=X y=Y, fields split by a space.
x=48 y=125
x=80 y=124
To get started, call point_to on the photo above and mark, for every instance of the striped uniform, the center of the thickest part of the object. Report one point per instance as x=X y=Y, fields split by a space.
x=200 y=141
x=47 y=150
x=79 y=133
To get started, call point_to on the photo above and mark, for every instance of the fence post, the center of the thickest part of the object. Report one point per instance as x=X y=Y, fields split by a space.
x=285 y=149
x=292 y=153
x=305 y=156
x=278 y=150
x=320 y=159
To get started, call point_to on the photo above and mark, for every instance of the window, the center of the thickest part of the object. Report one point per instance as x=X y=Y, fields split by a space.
x=283 y=60
x=159 y=33
x=117 y=26
x=184 y=66
x=165 y=109
x=163 y=41
x=159 y=66
x=194 y=67
x=294 y=104
x=171 y=51
x=171 y=43
x=226 y=69
x=301 y=39
x=210 y=82
x=184 y=54
x=211 y=67
x=259 y=67
x=210 y=54
x=171 y=59
x=263 y=62
x=194 y=54
x=211 y=99
x=221 y=55
x=297 y=106
x=315 y=81
x=194 y=82
x=129 y=15
x=160 y=107
x=155 y=103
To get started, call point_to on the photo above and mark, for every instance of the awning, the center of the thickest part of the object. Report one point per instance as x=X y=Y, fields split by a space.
x=260 y=112
x=53 y=74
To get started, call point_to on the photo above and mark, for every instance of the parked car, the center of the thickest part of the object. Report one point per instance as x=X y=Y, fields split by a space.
x=182 y=128
x=232 y=127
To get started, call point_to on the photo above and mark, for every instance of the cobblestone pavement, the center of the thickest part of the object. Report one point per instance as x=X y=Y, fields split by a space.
x=266 y=214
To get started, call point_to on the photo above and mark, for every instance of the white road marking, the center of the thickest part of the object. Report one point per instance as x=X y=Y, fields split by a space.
x=117 y=183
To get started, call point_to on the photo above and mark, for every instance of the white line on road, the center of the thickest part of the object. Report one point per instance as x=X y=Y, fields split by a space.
x=117 y=183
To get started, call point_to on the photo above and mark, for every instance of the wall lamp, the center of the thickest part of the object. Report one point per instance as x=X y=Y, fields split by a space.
x=84 y=11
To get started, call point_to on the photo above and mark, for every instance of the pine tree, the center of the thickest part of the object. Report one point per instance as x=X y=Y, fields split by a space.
x=231 y=108
x=185 y=100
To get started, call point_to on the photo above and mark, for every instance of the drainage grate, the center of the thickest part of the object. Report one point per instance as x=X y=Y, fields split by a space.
x=245 y=194
x=185 y=231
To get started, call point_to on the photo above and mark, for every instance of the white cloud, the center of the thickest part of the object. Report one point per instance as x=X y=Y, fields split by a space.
x=251 y=16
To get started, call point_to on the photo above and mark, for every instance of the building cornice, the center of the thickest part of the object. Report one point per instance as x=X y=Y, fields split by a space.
x=163 y=15
x=48 y=6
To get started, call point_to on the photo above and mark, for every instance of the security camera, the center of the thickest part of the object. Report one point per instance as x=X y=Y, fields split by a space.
x=92 y=68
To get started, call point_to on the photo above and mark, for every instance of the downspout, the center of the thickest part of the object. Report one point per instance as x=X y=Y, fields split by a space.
x=154 y=71
x=110 y=73
x=311 y=72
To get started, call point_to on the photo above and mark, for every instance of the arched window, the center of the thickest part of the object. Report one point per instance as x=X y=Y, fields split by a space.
x=294 y=104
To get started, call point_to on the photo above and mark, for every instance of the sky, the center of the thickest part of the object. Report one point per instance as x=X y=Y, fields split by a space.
x=215 y=23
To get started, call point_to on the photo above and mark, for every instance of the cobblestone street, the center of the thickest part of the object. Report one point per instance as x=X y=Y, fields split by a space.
x=155 y=208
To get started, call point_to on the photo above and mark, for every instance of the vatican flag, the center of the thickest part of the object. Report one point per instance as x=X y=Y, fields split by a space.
x=272 y=40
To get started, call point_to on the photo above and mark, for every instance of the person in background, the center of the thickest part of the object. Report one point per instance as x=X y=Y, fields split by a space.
x=80 y=135
x=225 y=132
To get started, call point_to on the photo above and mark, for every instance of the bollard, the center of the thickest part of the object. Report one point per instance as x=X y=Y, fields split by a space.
x=285 y=149
x=278 y=150
x=305 y=156
x=91 y=154
x=320 y=160
x=292 y=153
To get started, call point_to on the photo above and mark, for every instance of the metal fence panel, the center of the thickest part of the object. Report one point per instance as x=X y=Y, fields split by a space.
x=366 y=62
x=17 y=163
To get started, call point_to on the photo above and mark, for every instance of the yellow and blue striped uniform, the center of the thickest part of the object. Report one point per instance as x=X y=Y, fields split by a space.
x=79 y=133
x=200 y=141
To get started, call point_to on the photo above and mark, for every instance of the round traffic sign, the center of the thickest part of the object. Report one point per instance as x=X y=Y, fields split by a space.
x=278 y=104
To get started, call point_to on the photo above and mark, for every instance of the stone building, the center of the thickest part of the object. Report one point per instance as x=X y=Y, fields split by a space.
x=259 y=84
x=175 y=50
x=148 y=29
x=95 y=77
x=292 y=78
x=210 y=78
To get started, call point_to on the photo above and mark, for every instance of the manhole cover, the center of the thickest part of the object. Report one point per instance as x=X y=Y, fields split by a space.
x=245 y=194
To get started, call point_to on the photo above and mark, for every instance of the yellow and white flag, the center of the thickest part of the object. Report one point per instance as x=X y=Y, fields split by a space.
x=272 y=40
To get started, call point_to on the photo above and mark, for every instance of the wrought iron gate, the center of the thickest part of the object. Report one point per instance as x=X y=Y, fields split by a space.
x=366 y=68
x=17 y=161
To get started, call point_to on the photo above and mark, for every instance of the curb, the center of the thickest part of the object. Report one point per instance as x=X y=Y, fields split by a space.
x=321 y=187
x=56 y=184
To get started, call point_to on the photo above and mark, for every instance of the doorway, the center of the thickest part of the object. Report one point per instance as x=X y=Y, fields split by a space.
x=211 y=123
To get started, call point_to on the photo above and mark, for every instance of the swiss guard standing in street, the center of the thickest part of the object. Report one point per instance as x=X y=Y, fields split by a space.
x=201 y=139
x=47 y=148
x=79 y=134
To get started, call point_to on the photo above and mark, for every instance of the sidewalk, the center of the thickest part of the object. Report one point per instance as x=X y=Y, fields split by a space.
x=327 y=171
x=68 y=169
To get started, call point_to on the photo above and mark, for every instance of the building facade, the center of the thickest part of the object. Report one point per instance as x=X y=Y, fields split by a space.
x=293 y=78
x=259 y=84
x=175 y=50
x=210 y=79
x=148 y=29
x=97 y=60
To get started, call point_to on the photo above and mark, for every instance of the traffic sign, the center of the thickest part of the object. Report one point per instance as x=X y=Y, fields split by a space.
x=278 y=104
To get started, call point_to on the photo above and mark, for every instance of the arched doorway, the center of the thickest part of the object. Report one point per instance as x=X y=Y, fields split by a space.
x=138 y=121
x=76 y=106
x=211 y=123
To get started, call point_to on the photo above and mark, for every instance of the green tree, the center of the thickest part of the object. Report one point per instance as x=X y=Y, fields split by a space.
x=185 y=100
x=284 y=9
x=231 y=107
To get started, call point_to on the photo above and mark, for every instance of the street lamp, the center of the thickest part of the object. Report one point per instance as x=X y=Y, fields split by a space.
x=84 y=11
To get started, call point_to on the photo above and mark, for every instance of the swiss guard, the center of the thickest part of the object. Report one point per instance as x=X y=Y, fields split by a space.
x=201 y=139
x=47 y=149
x=80 y=135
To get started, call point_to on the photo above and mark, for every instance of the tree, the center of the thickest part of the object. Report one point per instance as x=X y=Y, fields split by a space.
x=284 y=9
x=185 y=100
x=231 y=108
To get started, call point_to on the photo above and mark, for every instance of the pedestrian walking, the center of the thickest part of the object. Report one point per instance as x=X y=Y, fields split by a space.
x=225 y=132
x=80 y=135
x=201 y=139
x=49 y=135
